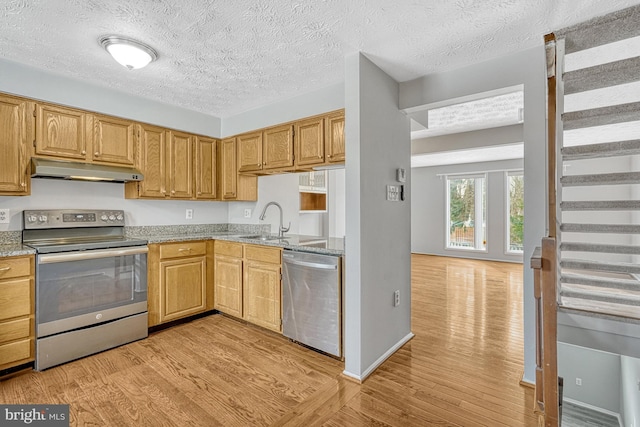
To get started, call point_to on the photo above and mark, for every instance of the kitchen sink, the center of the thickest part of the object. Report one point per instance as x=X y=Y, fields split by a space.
x=263 y=237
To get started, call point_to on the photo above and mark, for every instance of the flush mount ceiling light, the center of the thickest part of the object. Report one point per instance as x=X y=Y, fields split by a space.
x=130 y=53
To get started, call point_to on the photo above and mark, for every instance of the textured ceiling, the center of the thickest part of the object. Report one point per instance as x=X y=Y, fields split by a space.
x=223 y=57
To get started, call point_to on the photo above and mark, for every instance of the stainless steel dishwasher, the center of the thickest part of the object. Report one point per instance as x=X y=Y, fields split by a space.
x=311 y=300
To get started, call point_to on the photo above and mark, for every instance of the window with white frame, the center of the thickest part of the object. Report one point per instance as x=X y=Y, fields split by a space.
x=515 y=212
x=467 y=212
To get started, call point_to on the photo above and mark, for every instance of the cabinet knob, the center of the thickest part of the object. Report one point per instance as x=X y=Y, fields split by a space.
x=264 y=163
x=83 y=152
x=173 y=191
x=96 y=154
x=199 y=192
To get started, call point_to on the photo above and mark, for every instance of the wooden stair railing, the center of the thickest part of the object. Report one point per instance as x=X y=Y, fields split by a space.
x=544 y=265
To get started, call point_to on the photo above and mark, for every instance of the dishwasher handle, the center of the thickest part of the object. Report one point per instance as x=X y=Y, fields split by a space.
x=311 y=264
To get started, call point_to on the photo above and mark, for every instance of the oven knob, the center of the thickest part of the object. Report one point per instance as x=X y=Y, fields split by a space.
x=119 y=217
x=42 y=218
x=99 y=316
x=104 y=217
x=32 y=218
x=112 y=218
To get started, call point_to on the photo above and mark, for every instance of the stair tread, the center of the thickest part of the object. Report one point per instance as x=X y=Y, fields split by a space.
x=601 y=116
x=600 y=228
x=601 y=307
x=607 y=149
x=599 y=247
x=600 y=281
x=599 y=76
x=613 y=267
x=598 y=31
x=600 y=294
x=600 y=205
x=615 y=178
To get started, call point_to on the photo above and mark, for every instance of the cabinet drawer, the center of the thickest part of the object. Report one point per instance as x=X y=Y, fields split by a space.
x=263 y=253
x=15 y=351
x=182 y=249
x=15 y=267
x=15 y=298
x=232 y=249
x=15 y=329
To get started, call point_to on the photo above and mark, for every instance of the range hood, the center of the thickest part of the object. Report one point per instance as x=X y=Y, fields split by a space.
x=61 y=169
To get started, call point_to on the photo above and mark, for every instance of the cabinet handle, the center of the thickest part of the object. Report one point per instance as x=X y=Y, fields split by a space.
x=184 y=249
x=5 y=268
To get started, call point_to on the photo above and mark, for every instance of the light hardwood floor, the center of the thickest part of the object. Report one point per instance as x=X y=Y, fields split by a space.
x=462 y=368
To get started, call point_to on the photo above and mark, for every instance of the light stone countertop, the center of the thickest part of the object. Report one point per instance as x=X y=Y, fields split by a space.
x=15 y=249
x=315 y=244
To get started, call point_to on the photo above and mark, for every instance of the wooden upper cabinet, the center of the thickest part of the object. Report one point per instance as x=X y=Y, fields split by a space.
x=277 y=147
x=113 y=140
x=309 y=138
x=180 y=164
x=14 y=158
x=151 y=162
x=335 y=147
x=205 y=168
x=250 y=152
x=62 y=132
x=228 y=169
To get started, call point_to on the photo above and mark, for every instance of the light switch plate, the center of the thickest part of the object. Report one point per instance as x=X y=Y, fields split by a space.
x=393 y=193
x=5 y=216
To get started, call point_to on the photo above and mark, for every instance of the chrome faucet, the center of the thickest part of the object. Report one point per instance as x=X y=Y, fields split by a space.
x=281 y=230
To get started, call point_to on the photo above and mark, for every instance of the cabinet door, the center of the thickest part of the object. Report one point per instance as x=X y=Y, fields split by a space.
x=182 y=287
x=205 y=168
x=113 y=140
x=262 y=300
x=180 y=165
x=151 y=141
x=13 y=146
x=250 y=152
x=229 y=169
x=335 y=148
x=277 y=151
x=61 y=132
x=309 y=138
x=228 y=285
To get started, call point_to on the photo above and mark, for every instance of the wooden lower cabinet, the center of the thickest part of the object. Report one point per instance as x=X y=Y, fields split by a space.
x=180 y=280
x=17 y=311
x=248 y=283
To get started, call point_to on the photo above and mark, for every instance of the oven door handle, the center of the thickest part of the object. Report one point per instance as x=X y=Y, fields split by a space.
x=81 y=256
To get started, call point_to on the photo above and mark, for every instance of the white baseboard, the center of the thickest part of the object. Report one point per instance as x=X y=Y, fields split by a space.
x=380 y=360
x=594 y=408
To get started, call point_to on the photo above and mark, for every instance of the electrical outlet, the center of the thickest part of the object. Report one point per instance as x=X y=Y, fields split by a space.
x=396 y=298
x=247 y=213
x=579 y=381
x=4 y=216
x=189 y=214
x=393 y=193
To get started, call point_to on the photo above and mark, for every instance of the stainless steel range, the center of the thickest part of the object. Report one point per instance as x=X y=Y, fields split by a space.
x=91 y=283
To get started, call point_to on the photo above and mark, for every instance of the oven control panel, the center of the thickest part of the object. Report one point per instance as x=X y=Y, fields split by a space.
x=69 y=218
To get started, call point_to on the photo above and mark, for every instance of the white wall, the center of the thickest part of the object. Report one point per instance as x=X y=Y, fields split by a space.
x=528 y=68
x=378 y=258
x=428 y=210
x=284 y=190
x=599 y=372
x=46 y=86
x=57 y=194
x=305 y=105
